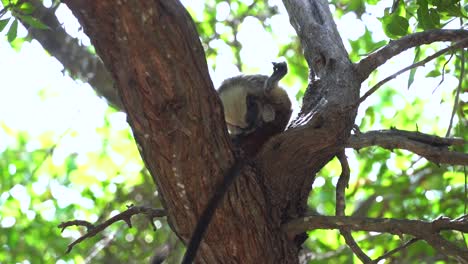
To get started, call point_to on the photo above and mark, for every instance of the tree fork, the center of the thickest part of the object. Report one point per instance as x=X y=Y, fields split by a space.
x=154 y=54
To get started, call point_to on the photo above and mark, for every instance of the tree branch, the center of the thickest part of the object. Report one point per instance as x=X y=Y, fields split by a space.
x=125 y=216
x=428 y=231
x=324 y=122
x=154 y=54
x=341 y=205
x=395 y=250
x=432 y=148
x=313 y=21
x=77 y=60
x=373 y=61
x=461 y=44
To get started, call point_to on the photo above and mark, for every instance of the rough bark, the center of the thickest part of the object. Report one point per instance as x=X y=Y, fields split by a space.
x=291 y=159
x=153 y=52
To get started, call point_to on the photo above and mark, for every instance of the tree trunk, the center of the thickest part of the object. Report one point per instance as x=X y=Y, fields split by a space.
x=157 y=62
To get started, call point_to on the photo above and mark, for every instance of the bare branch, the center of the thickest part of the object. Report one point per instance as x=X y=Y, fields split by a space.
x=430 y=147
x=428 y=231
x=373 y=61
x=125 y=216
x=340 y=208
x=461 y=44
x=415 y=228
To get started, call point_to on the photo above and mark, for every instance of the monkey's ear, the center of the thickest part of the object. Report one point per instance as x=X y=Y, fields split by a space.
x=280 y=67
x=268 y=113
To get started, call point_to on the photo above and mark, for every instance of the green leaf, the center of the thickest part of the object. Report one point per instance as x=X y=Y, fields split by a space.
x=411 y=77
x=428 y=18
x=401 y=9
x=26 y=8
x=370 y=112
x=433 y=73
x=434 y=17
x=395 y=25
x=34 y=22
x=450 y=7
x=413 y=71
x=299 y=95
x=5 y=3
x=17 y=44
x=12 y=32
x=358 y=6
x=3 y=23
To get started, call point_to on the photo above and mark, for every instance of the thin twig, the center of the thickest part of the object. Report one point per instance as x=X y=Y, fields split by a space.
x=395 y=250
x=443 y=73
x=125 y=216
x=379 y=57
x=102 y=244
x=50 y=152
x=341 y=205
x=461 y=44
x=457 y=95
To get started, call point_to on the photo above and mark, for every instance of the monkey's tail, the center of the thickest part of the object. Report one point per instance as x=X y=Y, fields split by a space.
x=207 y=214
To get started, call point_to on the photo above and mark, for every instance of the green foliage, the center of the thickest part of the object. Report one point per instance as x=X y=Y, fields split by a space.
x=20 y=12
x=11 y=35
x=40 y=188
x=395 y=26
x=3 y=23
x=33 y=22
x=364 y=45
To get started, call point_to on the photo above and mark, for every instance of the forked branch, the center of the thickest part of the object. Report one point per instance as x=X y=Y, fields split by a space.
x=425 y=230
x=125 y=216
x=461 y=44
x=373 y=61
x=432 y=148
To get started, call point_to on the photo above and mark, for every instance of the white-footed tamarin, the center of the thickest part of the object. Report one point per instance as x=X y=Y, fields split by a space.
x=255 y=109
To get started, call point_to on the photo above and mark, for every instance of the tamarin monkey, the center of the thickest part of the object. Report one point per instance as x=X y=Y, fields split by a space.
x=255 y=109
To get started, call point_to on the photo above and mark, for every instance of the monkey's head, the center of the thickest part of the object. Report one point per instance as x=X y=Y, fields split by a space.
x=255 y=108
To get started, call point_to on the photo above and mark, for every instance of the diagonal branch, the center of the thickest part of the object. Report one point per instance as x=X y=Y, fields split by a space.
x=432 y=148
x=373 y=61
x=125 y=216
x=461 y=44
x=77 y=60
x=428 y=231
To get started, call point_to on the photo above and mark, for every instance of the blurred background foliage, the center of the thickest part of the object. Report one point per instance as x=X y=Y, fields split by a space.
x=65 y=154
